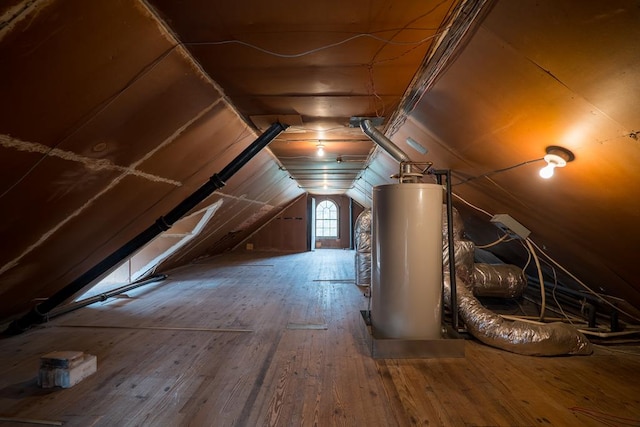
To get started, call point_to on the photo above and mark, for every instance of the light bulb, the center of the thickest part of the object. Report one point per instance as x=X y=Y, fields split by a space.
x=553 y=161
x=547 y=171
x=320 y=151
x=556 y=157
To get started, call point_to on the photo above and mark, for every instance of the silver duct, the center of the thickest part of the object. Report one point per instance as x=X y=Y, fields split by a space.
x=362 y=240
x=376 y=136
x=550 y=339
x=503 y=281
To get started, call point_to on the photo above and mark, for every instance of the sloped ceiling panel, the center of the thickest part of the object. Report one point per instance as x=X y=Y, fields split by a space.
x=320 y=62
x=538 y=74
x=99 y=136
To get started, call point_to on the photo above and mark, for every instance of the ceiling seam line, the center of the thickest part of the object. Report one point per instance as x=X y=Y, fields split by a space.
x=43 y=238
x=90 y=163
x=187 y=54
x=14 y=262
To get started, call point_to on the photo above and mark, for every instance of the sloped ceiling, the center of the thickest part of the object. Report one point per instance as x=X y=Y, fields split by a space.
x=576 y=81
x=114 y=111
x=537 y=74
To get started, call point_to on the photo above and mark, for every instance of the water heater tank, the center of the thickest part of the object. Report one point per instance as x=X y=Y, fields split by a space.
x=406 y=273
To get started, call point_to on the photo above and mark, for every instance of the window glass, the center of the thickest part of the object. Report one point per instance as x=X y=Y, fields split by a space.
x=326 y=219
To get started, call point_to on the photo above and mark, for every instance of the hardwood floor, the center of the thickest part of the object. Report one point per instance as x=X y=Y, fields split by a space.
x=277 y=339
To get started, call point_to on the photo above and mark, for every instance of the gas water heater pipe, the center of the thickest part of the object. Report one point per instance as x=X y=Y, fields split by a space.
x=396 y=152
x=378 y=137
x=450 y=239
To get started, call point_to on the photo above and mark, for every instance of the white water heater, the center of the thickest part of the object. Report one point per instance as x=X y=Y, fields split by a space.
x=406 y=271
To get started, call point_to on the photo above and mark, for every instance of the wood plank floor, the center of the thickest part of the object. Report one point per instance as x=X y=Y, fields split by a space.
x=280 y=341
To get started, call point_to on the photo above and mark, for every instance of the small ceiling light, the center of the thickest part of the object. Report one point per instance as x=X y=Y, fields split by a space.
x=556 y=157
x=320 y=151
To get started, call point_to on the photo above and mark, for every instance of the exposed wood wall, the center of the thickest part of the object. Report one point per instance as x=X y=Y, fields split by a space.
x=289 y=230
x=286 y=232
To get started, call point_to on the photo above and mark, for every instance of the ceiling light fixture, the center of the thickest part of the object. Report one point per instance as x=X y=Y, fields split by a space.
x=556 y=157
x=320 y=151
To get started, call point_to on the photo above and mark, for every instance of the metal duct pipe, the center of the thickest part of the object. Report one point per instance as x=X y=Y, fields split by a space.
x=105 y=295
x=376 y=136
x=39 y=313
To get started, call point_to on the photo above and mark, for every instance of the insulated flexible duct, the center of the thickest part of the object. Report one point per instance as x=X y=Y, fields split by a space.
x=550 y=339
x=503 y=281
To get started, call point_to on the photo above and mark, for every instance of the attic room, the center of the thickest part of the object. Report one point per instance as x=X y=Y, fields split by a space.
x=373 y=212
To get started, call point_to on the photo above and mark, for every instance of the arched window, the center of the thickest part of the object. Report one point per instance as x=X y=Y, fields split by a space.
x=326 y=219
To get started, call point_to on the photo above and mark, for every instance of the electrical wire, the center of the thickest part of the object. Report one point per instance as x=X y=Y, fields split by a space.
x=309 y=129
x=472 y=205
x=543 y=297
x=532 y=253
x=526 y=265
x=521 y=308
x=489 y=245
x=580 y=282
x=406 y=26
x=485 y=175
x=320 y=48
x=553 y=292
x=547 y=309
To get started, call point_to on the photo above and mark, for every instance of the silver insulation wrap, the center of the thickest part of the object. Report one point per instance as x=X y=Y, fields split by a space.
x=552 y=339
x=504 y=281
x=463 y=254
x=458 y=225
x=520 y=337
x=363 y=232
x=362 y=240
x=363 y=268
